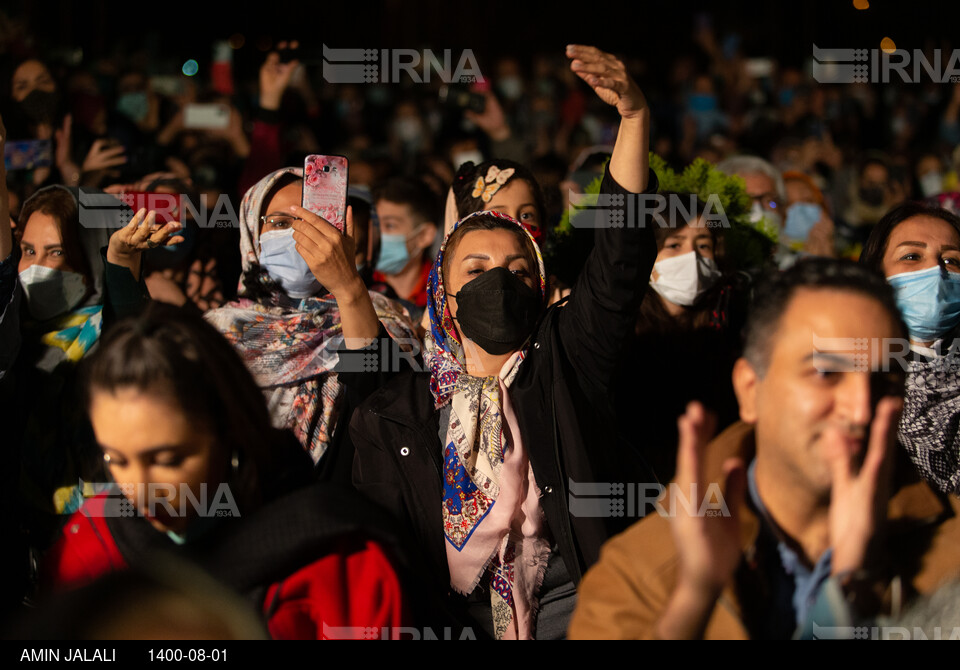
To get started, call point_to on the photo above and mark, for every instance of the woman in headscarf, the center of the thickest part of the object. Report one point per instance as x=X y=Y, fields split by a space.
x=56 y=292
x=287 y=325
x=477 y=453
x=916 y=246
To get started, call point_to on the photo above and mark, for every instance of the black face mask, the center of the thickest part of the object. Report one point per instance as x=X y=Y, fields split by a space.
x=872 y=195
x=497 y=311
x=40 y=106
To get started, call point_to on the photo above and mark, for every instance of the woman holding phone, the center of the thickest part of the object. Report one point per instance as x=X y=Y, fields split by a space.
x=293 y=310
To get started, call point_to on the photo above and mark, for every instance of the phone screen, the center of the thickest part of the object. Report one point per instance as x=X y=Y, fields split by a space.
x=208 y=116
x=27 y=154
x=325 y=188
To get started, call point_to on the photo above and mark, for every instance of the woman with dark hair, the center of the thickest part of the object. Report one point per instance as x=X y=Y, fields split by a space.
x=917 y=248
x=215 y=482
x=56 y=292
x=687 y=338
x=475 y=453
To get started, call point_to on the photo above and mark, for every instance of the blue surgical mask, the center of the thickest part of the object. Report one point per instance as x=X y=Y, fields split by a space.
x=393 y=254
x=801 y=218
x=280 y=258
x=929 y=301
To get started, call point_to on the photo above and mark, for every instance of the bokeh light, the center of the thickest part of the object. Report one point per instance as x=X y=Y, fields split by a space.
x=887 y=45
x=861 y=4
x=190 y=68
x=237 y=41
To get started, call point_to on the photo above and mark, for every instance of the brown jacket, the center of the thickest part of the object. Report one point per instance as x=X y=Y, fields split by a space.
x=625 y=593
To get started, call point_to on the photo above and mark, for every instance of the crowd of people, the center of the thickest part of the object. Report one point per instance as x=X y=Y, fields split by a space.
x=394 y=425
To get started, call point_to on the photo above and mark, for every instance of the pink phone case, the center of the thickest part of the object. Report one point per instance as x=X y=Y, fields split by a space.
x=325 y=188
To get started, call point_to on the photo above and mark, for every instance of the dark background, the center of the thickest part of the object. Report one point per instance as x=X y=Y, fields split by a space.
x=170 y=32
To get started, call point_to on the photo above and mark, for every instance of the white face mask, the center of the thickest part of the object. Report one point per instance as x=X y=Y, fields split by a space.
x=51 y=292
x=682 y=278
x=931 y=184
x=758 y=211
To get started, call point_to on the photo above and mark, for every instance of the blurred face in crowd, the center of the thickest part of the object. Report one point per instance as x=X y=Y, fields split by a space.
x=277 y=212
x=515 y=199
x=400 y=219
x=921 y=242
x=42 y=244
x=807 y=396
x=147 y=439
x=482 y=250
x=31 y=75
x=799 y=191
x=694 y=238
x=874 y=184
x=762 y=189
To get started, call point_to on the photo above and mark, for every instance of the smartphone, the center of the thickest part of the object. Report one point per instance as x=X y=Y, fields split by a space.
x=168 y=206
x=462 y=98
x=28 y=154
x=325 y=188
x=211 y=116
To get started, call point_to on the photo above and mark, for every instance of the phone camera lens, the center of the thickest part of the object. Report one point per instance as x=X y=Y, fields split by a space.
x=326 y=168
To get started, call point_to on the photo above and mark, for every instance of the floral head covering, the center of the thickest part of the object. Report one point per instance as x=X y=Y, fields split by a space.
x=442 y=339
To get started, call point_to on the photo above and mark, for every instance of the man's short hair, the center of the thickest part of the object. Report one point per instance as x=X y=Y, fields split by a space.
x=775 y=292
x=741 y=165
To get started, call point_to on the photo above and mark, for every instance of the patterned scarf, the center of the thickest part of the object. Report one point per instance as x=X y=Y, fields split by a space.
x=930 y=424
x=491 y=513
x=76 y=332
x=291 y=345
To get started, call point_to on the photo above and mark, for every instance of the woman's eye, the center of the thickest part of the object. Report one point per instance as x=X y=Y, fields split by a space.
x=57 y=252
x=951 y=261
x=29 y=252
x=168 y=461
x=675 y=245
x=475 y=271
x=910 y=257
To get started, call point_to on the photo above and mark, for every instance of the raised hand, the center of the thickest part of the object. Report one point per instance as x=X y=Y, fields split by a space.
x=103 y=154
x=127 y=244
x=492 y=120
x=708 y=547
x=608 y=77
x=275 y=77
x=203 y=285
x=859 y=495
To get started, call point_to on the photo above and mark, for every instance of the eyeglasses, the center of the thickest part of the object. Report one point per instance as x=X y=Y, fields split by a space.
x=766 y=200
x=281 y=221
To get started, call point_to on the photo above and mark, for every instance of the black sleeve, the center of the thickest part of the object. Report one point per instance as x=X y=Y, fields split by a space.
x=604 y=302
x=123 y=295
x=363 y=371
x=10 y=297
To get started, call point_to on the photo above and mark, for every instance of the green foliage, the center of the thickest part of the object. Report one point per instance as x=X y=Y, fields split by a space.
x=748 y=245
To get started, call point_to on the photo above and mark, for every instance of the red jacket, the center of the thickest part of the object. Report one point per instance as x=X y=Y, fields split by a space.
x=351 y=592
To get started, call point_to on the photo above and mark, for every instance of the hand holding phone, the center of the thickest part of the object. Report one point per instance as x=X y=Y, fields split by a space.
x=325 y=188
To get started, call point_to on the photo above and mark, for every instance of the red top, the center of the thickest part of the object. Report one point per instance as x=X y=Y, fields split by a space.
x=349 y=593
x=419 y=295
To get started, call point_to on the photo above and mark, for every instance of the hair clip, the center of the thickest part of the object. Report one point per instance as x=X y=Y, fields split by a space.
x=495 y=179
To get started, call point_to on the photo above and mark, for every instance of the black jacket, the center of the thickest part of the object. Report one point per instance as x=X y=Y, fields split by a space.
x=561 y=396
